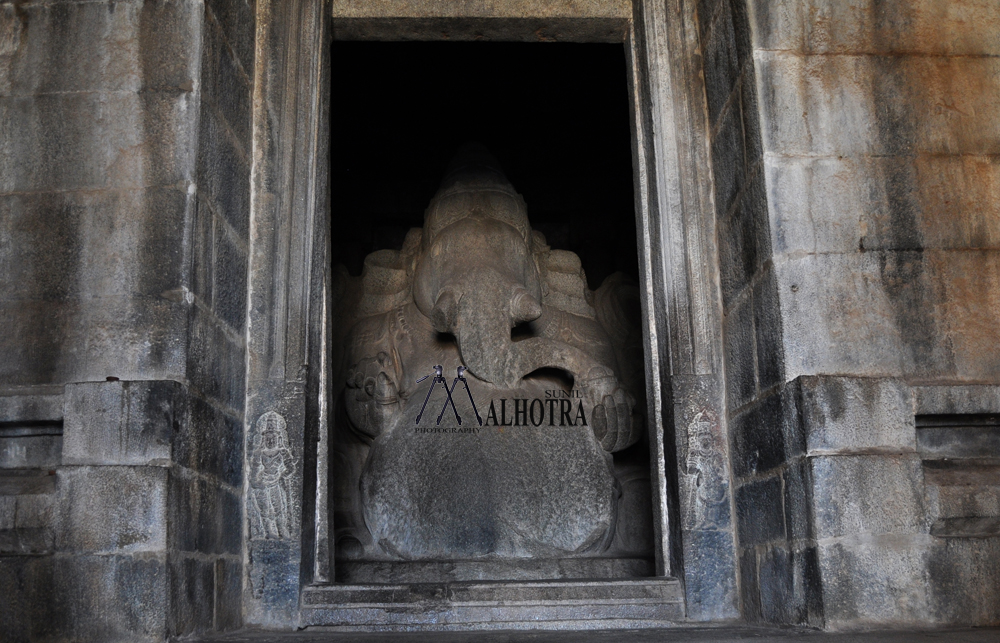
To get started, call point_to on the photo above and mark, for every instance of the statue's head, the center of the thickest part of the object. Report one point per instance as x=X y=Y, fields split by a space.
x=474 y=185
x=476 y=276
x=271 y=431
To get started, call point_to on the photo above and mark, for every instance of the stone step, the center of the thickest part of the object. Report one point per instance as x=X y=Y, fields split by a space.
x=409 y=572
x=594 y=604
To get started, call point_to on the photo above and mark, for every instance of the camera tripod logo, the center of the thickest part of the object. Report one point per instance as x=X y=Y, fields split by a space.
x=439 y=377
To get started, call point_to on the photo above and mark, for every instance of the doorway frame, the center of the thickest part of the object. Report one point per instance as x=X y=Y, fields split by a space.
x=290 y=292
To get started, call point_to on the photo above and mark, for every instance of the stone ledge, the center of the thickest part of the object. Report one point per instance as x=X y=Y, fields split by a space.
x=494 y=606
x=492 y=570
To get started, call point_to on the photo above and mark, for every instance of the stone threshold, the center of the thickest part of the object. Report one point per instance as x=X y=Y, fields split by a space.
x=497 y=605
x=408 y=572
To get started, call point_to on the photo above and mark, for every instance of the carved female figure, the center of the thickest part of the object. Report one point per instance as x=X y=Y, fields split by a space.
x=271 y=464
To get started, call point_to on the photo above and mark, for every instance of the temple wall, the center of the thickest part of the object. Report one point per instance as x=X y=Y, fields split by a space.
x=124 y=208
x=880 y=154
x=853 y=146
x=858 y=237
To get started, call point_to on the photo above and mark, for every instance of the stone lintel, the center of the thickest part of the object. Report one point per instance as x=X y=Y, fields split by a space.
x=620 y=9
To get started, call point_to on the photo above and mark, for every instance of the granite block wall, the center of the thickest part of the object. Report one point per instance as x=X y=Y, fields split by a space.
x=880 y=160
x=854 y=162
x=124 y=209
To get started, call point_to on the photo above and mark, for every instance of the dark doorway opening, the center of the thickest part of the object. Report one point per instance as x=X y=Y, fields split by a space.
x=556 y=116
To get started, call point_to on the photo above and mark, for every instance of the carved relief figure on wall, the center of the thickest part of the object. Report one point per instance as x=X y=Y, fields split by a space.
x=476 y=287
x=271 y=464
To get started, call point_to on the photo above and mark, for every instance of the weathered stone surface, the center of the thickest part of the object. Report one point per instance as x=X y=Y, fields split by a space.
x=966 y=527
x=884 y=203
x=702 y=454
x=122 y=423
x=741 y=371
x=216 y=360
x=152 y=134
x=722 y=68
x=802 y=117
x=711 y=593
x=125 y=337
x=728 y=159
x=556 y=493
x=893 y=304
x=485 y=9
x=227 y=64
x=959 y=442
x=75 y=245
x=192 y=593
x=872 y=581
x=589 y=605
x=224 y=172
x=26 y=524
x=736 y=253
x=759 y=437
x=956 y=399
x=271 y=564
x=31 y=407
x=8 y=509
x=229 y=294
x=745 y=238
x=30 y=449
x=204 y=517
x=25 y=541
x=28 y=610
x=31 y=435
x=963 y=500
x=211 y=443
x=490 y=570
x=91 y=517
x=20 y=482
x=610 y=30
x=100 y=101
x=856 y=415
x=110 y=598
x=202 y=252
x=790 y=586
x=228 y=594
x=100 y=47
x=770 y=350
x=871 y=26
x=798 y=500
x=962 y=573
x=867 y=495
x=34 y=511
x=238 y=22
x=751 y=609
x=760 y=516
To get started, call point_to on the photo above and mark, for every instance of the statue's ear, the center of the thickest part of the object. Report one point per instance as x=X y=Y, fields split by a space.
x=386 y=283
x=564 y=284
x=538 y=242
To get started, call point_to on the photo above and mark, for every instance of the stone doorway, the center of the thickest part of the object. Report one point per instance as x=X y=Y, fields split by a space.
x=552 y=118
x=293 y=302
